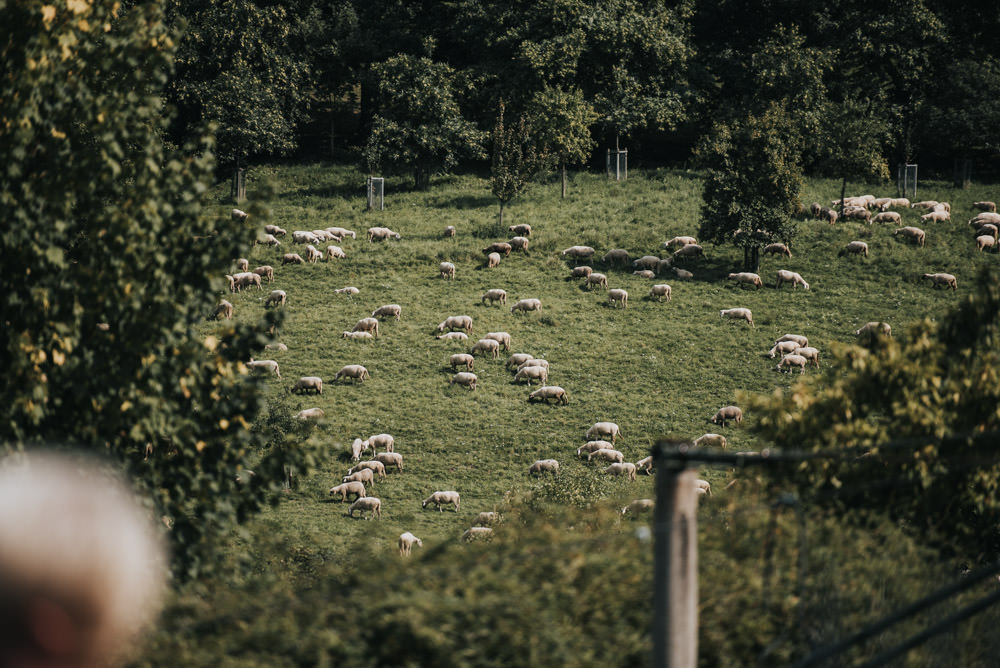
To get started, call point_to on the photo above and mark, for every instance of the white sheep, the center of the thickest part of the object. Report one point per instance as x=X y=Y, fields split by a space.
x=276 y=346
x=942 y=206
x=540 y=466
x=442 y=499
x=477 y=533
x=596 y=278
x=988 y=228
x=312 y=254
x=547 y=392
x=689 y=250
x=579 y=252
x=350 y=290
x=986 y=217
x=533 y=362
x=639 y=505
x=406 y=542
x=888 y=217
x=357 y=336
x=335 y=252
x=487 y=517
x=346 y=489
x=381 y=234
x=447 y=270
x=776 y=249
x=747 y=278
x=462 y=359
x=323 y=235
x=275 y=230
x=593 y=446
x=454 y=336
x=369 y=503
x=785 y=276
x=364 y=476
x=984 y=241
x=367 y=325
x=342 y=232
x=615 y=256
x=385 y=441
x=375 y=466
x=882 y=203
x=525 y=305
x=486 y=346
x=224 y=309
x=494 y=295
x=583 y=271
x=277 y=298
x=291 y=258
x=517 y=359
x=608 y=429
x=456 y=322
x=936 y=216
x=264 y=365
x=854 y=248
x=529 y=373
x=626 y=469
x=388 y=311
x=500 y=247
x=782 y=348
x=947 y=280
x=798 y=338
x=702 y=488
x=660 y=290
x=727 y=414
x=522 y=229
x=355 y=371
x=900 y=203
x=243 y=264
x=309 y=414
x=245 y=279
x=304 y=237
x=828 y=214
x=503 y=338
x=269 y=240
x=646 y=262
x=240 y=216
x=738 y=314
x=679 y=241
x=810 y=353
x=645 y=464
x=519 y=243
x=873 y=327
x=265 y=271
x=308 y=384
x=711 y=441
x=358 y=446
x=607 y=455
x=618 y=296
x=985 y=206
x=791 y=360
x=390 y=459
x=644 y=273
x=466 y=378
x=926 y=204
x=912 y=233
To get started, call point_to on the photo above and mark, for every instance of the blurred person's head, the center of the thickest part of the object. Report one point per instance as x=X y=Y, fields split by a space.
x=82 y=566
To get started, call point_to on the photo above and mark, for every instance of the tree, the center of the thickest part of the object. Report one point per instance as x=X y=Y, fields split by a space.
x=419 y=126
x=112 y=264
x=855 y=136
x=517 y=157
x=561 y=121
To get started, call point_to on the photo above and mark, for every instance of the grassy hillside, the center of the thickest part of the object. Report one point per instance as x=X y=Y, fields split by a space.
x=654 y=368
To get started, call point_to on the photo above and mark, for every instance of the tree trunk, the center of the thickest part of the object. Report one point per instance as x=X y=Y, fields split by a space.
x=563 y=166
x=751 y=258
x=843 y=191
x=332 y=145
x=502 y=203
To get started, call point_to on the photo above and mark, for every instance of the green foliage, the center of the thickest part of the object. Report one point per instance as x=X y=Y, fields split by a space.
x=561 y=122
x=955 y=117
x=517 y=157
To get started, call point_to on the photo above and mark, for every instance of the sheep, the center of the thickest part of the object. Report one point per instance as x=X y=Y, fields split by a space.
x=367 y=325
x=530 y=373
x=265 y=271
x=790 y=360
x=356 y=336
x=442 y=499
x=244 y=280
x=277 y=298
x=291 y=258
x=936 y=216
x=607 y=455
x=984 y=241
x=596 y=278
x=357 y=447
x=323 y=235
x=593 y=446
x=355 y=371
x=858 y=212
x=307 y=384
x=533 y=362
x=645 y=464
x=785 y=276
x=304 y=237
x=702 y=488
x=882 y=203
x=660 y=290
x=986 y=217
x=384 y=441
x=646 y=262
x=711 y=441
x=747 y=278
x=449 y=231
x=926 y=204
x=368 y=503
x=727 y=414
x=309 y=414
x=486 y=346
x=583 y=271
x=985 y=206
x=375 y=466
x=912 y=233
x=456 y=322
x=364 y=476
x=494 y=295
x=810 y=353
x=644 y=273
x=874 y=327
x=345 y=489
x=519 y=243
x=501 y=247
x=522 y=229
x=381 y=234
x=737 y=314
x=461 y=358
x=988 y=228
x=540 y=466
x=798 y=338
x=942 y=206
x=503 y=338
x=276 y=346
x=264 y=365
x=618 y=296
x=663 y=265
x=447 y=270
x=776 y=249
x=342 y=232
x=275 y=230
x=454 y=336
x=350 y=290
x=465 y=378
x=947 y=280
x=268 y=240
x=615 y=256
x=406 y=542
x=900 y=203
x=689 y=250
x=492 y=260
x=639 y=505
x=815 y=208
x=547 y=392
x=243 y=264
x=828 y=214
x=335 y=252
x=683 y=273
x=240 y=216
x=224 y=309
x=476 y=533
x=525 y=305
x=626 y=469
x=854 y=248
x=487 y=517
x=678 y=241
x=390 y=459
x=609 y=429
x=783 y=347
x=579 y=252
x=388 y=311
x=313 y=255
x=888 y=217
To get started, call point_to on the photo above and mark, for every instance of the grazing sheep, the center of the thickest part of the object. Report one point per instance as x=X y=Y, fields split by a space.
x=985 y=206
x=988 y=228
x=937 y=216
x=357 y=447
x=689 y=250
x=364 y=476
x=519 y=243
x=223 y=309
x=465 y=378
x=350 y=290
x=244 y=280
x=606 y=455
x=357 y=336
x=307 y=384
x=388 y=311
x=309 y=414
x=442 y=499
x=798 y=338
x=663 y=265
x=487 y=517
x=477 y=533
x=626 y=469
x=486 y=346
x=702 y=488
x=533 y=362
x=501 y=247
x=776 y=249
x=406 y=542
x=335 y=252
x=268 y=240
x=367 y=325
x=277 y=298
x=494 y=295
x=323 y=235
x=529 y=373
x=858 y=212
x=275 y=230
x=615 y=257
x=276 y=346
x=447 y=270
x=986 y=217
x=291 y=258
x=449 y=231
x=313 y=255
x=785 y=276
x=900 y=203
x=683 y=273
x=355 y=371
x=345 y=489
x=873 y=327
x=747 y=278
x=264 y=365
x=645 y=464
x=579 y=252
x=593 y=446
x=454 y=336
x=522 y=229
x=525 y=305
x=783 y=348
x=541 y=466
x=596 y=278
x=888 y=217
x=583 y=271
x=375 y=466
x=304 y=237
x=646 y=262
x=547 y=392
x=367 y=503
x=384 y=441
x=738 y=314
x=790 y=360
x=811 y=354
x=618 y=296
x=381 y=234
x=644 y=273
x=390 y=459
x=727 y=414
x=660 y=290
x=911 y=233
x=882 y=203
x=679 y=241
x=462 y=358
x=639 y=505
x=492 y=260
x=240 y=216
x=342 y=232
x=456 y=322
x=926 y=204
x=947 y=280
x=243 y=264
x=608 y=429
x=265 y=271
x=942 y=206
x=854 y=248
x=711 y=441
x=828 y=214
x=503 y=338
x=984 y=241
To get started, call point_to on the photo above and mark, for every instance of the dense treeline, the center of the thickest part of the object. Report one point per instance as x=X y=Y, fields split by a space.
x=416 y=86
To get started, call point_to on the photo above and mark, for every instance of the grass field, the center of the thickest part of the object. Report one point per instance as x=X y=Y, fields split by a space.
x=654 y=368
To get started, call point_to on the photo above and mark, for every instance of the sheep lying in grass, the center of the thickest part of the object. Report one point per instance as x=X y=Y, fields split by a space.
x=596 y=278
x=373 y=465
x=727 y=414
x=616 y=257
x=264 y=365
x=583 y=271
x=494 y=295
x=660 y=290
x=618 y=296
x=638 y=506
x=390 y=459
x=364 y=476
x=477 y=533
x=309 y=414
x=530 y=373
x=442 y=499
x=381 y=234
x=912 y=234
x=900 y=203
x=357 y=336
x=503 y=338
x=307 y=384
x=540 y=466
x=579 y=252
x=454 y=336
x=486 y=346
x=854 y=248
x=747 y=278
x=791 y=360
x=406 y=542
x=369 y=503
x=465 y=378
x=873 y=327
x=606 y=455
x=224 y=309
x=277 y=298
x=593 y=446
x=946 y=280
x=447 y=270
x=785 y=276
x=350 y=290
x=461 y=359
x=738 y=314
x=606 y=429
x=452 y=322
x=810 y=353
x=626 y=469
x=388 y=311
x=355 y=371
x=711 y=441
x=346 y=489
x=547 y=392
x=367 y=325
x=782 y=348
x=776 y=249
x=525 y=305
